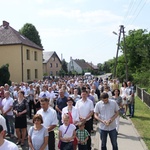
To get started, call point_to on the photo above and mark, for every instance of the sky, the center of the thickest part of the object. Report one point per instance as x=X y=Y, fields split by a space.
x=81 y=29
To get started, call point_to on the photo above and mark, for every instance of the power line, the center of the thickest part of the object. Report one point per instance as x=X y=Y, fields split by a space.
x=138 y=12
x=130 y=9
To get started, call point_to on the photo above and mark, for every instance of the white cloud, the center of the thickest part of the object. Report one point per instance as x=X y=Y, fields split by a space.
x=60 y=32
x=92 y=17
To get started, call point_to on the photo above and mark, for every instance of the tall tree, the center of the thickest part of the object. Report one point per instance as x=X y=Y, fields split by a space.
x=29 y=31
x=138 y=53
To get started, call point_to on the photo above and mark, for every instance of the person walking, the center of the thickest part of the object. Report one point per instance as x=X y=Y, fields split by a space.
x=131 y=100
x=106 y=111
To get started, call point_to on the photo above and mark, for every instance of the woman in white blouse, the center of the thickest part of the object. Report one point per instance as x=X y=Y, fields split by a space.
x=71 y=111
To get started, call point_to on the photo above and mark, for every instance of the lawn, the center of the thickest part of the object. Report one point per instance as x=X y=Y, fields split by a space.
x=142 y=121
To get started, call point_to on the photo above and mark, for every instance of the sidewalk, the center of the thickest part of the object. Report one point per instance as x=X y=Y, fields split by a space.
x=128 y=137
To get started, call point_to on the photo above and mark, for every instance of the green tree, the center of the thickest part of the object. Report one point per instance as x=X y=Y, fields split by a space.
x=64 y=66
x=138 y=54
x=29 y=31
x=4 y=75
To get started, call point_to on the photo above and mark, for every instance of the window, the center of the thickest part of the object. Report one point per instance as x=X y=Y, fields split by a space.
x=28 y=74
x=35 y=56
x=28 y=54
x=56 y=64
x=56 y=72
x=36 y=73
x=51 y=65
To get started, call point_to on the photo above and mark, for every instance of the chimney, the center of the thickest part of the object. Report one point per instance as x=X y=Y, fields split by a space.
x=5 y=24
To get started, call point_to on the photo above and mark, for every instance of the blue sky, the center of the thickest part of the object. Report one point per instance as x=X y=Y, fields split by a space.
x=81 y=29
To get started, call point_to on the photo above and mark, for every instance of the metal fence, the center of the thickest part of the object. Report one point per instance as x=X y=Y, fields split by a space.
x=143 y=95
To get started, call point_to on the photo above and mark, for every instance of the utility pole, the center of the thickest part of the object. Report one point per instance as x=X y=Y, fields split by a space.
x=125 y=55
x=121 y=31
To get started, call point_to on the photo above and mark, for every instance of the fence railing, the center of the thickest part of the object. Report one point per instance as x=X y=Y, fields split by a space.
x=143 y=95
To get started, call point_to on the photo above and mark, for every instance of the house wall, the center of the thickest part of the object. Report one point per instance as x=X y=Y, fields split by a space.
x=32 y=64
x=75 y=67
x=47 y=67
x=12 y=55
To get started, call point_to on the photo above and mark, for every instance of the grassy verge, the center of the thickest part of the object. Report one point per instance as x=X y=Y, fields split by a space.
x=142 y=121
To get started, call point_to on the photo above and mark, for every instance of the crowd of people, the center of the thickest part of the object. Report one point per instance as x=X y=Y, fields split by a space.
x=71 y=103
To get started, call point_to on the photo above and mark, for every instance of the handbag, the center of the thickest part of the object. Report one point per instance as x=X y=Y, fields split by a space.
x=59 y=143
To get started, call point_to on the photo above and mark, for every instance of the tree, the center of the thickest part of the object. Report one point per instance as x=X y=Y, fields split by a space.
x=64 y=66
x=138 y=54
x=29 y=31
x=4 y=75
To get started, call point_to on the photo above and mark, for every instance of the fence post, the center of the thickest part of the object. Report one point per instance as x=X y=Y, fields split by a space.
x=142 y=93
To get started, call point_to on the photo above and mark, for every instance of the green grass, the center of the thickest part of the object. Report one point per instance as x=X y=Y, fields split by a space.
x=142 y=121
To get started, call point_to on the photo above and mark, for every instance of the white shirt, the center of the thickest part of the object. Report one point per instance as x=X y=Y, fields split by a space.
x=74 y=113
x=7 y=145
x=106 y=111
x=49 y=117
x=124 y=92
x=3 y=122
x=7 y=103
x=44 y=94
x=84 y=107
x=69 y=132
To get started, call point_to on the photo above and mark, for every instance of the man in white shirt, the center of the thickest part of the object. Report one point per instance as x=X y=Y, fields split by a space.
x=106 y=112
x=44 y=93
x=7 y=105
x=5 y=144
x=50 y=121
x=3 y=123
x=85 y=108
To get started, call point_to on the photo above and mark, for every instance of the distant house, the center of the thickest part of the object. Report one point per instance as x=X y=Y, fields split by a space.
x=51 y=63
x=94 y=67
x=23 y=56
x=78 y=65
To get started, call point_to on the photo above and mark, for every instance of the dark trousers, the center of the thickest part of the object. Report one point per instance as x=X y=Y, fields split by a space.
x=113 y=139
x=88 y=127
x=66 y=146
x=131 y=109
x=31 y=105
x=9 y=124
x=59 y=118
x=51 y=141
x=82 y=147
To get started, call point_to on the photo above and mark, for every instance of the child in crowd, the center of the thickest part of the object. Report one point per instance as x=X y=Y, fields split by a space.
x=82 y=136
x=66 y=134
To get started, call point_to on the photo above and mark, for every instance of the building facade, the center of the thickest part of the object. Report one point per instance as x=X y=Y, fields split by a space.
x=23 y=56
x=51 y=63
